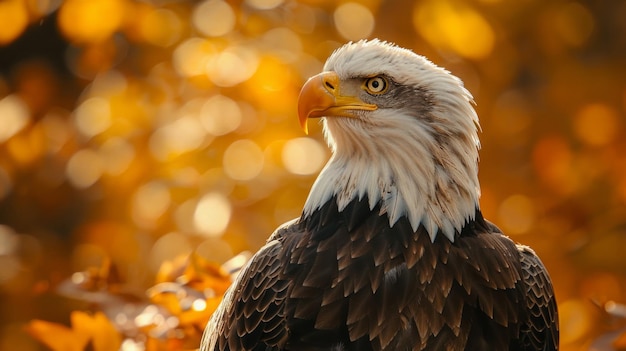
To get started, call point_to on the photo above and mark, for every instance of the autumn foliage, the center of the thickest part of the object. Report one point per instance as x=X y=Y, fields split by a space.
x=169 y=316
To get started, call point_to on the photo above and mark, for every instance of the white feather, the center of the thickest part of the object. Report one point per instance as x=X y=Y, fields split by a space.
x=396 y=157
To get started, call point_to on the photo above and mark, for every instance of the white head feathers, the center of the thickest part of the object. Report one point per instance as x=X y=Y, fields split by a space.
x=416 y=154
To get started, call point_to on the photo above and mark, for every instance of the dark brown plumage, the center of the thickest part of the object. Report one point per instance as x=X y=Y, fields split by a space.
x=347 y=281
x=391 y=251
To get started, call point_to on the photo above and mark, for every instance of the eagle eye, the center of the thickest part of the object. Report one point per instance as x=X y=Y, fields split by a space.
x=376 y=85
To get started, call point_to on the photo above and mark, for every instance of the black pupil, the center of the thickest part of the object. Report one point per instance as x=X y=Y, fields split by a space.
x=375 y=84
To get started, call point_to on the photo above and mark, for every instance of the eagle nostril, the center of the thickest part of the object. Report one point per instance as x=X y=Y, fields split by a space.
x=329 y=86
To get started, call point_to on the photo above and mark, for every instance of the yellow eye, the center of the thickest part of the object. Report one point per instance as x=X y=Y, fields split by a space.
x=376 y=85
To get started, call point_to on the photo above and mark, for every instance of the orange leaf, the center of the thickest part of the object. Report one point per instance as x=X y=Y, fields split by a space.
x=102 y=332
x=170 y=270
x=166 y=298
x=203 y=274
x=56 y=336
x=97 y=329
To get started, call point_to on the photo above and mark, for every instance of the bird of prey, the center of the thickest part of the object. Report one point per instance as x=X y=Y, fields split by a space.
x=391 y=251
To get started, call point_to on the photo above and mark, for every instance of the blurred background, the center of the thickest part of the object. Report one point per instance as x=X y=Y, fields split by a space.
x=146 y=143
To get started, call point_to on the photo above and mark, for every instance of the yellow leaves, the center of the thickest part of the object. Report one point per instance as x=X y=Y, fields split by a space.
x=177 y=308
x=57 y=337
x=102 y=333
x=194 y=293
x=197 y=272
x=96 y=329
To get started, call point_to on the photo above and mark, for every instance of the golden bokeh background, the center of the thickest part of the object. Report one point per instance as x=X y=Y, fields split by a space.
x=135 y=132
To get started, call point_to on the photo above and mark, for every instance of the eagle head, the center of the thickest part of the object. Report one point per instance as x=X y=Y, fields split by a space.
x=403 y=133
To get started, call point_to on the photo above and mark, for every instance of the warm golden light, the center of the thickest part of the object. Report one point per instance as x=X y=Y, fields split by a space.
x=8 y=240
x=56 y=129
x=43 y=7
x=149 y=203
x=212 y=214
x=596 y=124
x=93 y=116
x=214 y=247
x=264 y=4
x=84 y=168
x=232 y=66
x=220 y=115
x=15 y=116
x=214 y=18
x=198 y=305
x=575 y=319
x=182 y=135
x=516 y=214
x=243 y=160
x=284 y=43
x=553 y=162
x=303 y=156
x=124 y=120
x=10 y=267
x=132 y=345
x=117 y=154
x=91 y=20
x=512 y=117
x=10 y=248
x=272 y=75
x=169 y=247
x=83 y=256
x=455 y=26
x=353 y=21
x=161 y=27
x=14 y=19
x=573 y=23
x=192 y=56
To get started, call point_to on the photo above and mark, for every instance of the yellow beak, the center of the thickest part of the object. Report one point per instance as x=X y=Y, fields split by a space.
x=321 y=97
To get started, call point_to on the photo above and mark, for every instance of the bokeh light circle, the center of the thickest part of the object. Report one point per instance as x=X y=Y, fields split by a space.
x=214 y=18
x=243 y=160
x=353 y=21
x=303 y=156
x=220 y=115
x=212 y=214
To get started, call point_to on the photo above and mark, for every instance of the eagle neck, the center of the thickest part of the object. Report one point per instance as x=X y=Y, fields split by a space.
x=439 y=193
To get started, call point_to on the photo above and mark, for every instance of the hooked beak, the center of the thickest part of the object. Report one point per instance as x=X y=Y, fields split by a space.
x=321 y=97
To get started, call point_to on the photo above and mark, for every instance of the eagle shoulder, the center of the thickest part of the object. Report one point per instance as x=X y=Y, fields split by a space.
x=541 y=330
x=538 y=327
x=252 y=310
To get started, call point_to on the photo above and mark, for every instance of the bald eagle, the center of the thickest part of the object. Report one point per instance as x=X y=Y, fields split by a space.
x=391 y=251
